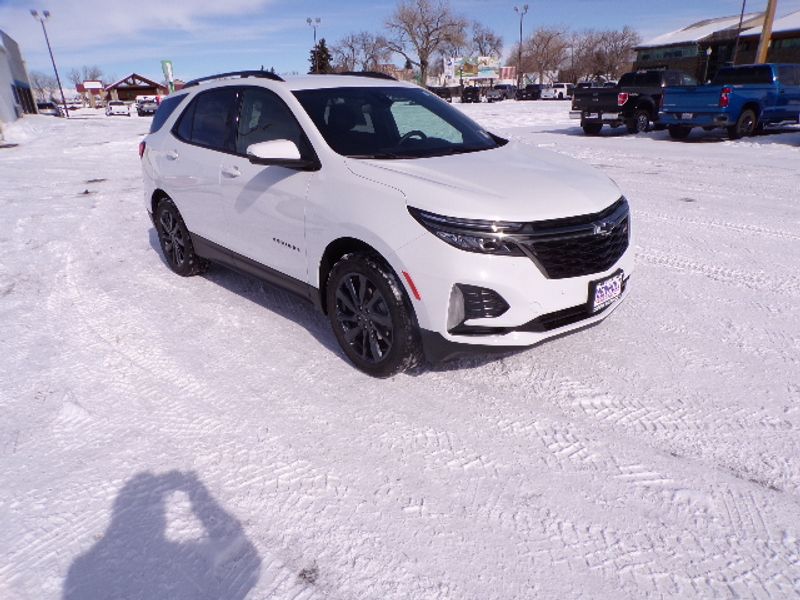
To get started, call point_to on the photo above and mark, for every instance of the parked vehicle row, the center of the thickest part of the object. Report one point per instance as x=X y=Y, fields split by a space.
x=742 y=99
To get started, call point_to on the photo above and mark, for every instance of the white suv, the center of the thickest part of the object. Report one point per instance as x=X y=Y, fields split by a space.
x=413 y=228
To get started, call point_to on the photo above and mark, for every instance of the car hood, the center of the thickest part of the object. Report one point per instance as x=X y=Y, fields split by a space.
x=514 y=183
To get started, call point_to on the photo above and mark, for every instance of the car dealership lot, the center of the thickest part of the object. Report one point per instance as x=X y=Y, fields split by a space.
x=654 y=455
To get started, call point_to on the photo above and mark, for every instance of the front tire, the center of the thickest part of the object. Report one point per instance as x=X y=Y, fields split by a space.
x=745 y=125
x=176 y=243
x=370 y=316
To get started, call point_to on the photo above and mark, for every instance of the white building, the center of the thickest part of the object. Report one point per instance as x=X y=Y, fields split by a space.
x=16 y=97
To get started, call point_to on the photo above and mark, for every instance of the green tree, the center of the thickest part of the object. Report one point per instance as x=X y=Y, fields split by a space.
x=320 y=58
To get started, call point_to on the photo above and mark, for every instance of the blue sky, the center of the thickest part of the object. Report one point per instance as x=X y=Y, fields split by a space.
x=211 y=36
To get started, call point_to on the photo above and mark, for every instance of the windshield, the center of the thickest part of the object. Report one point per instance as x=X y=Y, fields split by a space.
x=388 y=123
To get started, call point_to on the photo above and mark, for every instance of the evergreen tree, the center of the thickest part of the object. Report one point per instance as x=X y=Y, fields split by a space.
x=320 y=58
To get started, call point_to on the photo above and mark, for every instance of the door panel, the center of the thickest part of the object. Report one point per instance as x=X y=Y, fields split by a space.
x=266 y=204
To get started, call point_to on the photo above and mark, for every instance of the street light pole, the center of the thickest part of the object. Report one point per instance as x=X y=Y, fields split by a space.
x=521 y=12
x=42 y=18
x=314 y=23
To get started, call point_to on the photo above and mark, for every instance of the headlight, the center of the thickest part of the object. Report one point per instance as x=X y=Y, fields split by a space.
x=472 y=235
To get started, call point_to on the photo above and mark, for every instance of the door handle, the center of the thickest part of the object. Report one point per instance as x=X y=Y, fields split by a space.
x=172 y=155
x=231 y=171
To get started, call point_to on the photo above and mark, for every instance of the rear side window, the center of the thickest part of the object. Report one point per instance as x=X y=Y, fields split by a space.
x=789 y=74
x=208 y=121
x=165 y=109
x=760 y=74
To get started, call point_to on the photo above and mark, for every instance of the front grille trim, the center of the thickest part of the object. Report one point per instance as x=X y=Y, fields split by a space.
x=577 y=246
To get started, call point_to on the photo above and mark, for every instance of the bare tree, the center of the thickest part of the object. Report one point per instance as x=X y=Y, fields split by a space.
x=421 y=28
x=360 y=52
x=545 y=52
x=617 y=51
x=85 y=73
x=44 y=86
x=485 y=42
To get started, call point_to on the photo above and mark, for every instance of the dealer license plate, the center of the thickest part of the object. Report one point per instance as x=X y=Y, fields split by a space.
x=605 y=291
x=687 y=115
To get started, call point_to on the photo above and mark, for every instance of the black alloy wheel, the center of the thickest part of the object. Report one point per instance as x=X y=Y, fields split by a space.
x=176 y=243
x=745 y=125
x=640 y=122
x=370 y=317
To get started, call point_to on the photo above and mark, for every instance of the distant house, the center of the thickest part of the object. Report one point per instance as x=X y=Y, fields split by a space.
x=16 y=97
x=127 y=88
x=91 y=92
x=702 y=48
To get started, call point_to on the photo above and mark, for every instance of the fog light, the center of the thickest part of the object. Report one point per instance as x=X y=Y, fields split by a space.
x=455 y=308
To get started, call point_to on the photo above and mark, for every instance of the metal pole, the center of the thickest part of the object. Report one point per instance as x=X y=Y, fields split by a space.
x=313 y=23
x=738 y=34
x=46 y=14
x=766 y=32
x=521 y=13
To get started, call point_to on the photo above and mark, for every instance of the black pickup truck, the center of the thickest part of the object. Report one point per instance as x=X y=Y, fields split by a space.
x=634 y=102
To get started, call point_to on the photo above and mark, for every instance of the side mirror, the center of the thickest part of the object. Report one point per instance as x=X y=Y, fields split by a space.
x=282 y=153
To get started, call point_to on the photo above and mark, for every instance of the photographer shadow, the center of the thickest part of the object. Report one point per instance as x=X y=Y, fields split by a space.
x=203 y=554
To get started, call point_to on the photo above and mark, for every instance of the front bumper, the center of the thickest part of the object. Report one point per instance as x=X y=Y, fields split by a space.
x=539 y=308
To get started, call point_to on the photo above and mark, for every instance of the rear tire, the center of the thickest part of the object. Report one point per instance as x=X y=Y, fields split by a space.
x=370 y=316
x=592 y=128
x=679 y=132
x=176 y=243
x=745 y=125
x=640 y=121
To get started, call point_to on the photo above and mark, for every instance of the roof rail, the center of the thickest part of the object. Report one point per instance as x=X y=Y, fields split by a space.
x=373 y=74
x=242 y=74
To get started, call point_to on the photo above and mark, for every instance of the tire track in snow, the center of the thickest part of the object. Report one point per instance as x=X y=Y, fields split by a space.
x=755 y=281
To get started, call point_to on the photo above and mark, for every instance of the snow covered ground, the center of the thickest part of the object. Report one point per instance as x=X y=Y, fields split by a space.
x=195 y=438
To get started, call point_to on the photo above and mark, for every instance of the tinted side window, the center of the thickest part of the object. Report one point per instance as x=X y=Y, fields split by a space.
x=265 y=117
x=789 y=74
x=209 y=120
x=165 y=109
x=761 y=74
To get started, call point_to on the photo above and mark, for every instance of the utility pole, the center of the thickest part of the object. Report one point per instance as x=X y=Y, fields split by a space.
x=766 y=32
x=738 y=35
x=42 y=18
x=521 y=12
x=314 y=23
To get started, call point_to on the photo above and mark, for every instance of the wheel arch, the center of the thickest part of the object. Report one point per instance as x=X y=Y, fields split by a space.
x=754 y=106
x=339 y=247
x=157 y=196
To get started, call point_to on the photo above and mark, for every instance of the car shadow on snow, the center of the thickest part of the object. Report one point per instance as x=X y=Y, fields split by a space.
x=785 y=135
x=168 y=538
x=269 y=297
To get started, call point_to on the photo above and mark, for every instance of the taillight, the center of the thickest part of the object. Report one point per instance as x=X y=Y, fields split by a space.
x=725 y=97
x=142 y=146
x=622 y=98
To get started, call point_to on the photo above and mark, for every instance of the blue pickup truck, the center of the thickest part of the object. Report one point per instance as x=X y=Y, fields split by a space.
x=742 y=99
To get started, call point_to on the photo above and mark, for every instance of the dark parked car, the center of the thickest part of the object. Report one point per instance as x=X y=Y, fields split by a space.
x=49 y=108
x=501 y=91
x=445 y=93
x=532 y=91
x=471 y=94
